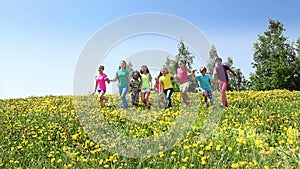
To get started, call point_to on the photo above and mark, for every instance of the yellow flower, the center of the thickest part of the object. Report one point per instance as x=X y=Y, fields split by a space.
x=174 y=153
x=229 y=149
x=218 y=147
x=52 y=160
x=266 y=167
x=59 y=160
x=185 y=159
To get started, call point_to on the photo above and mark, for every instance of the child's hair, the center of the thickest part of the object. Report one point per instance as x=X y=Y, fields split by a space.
x=176 y=64
x=218 y=58
x=165 y=68
x=134 y=72
x=147 y=70
x=159 y=75
x=101 y=66
x=123 y=62
x=203 y=69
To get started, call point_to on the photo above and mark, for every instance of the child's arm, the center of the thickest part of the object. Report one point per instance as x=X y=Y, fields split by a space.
x=95 y=88
x=232 y=71
x=114 y=79
x=150 y=82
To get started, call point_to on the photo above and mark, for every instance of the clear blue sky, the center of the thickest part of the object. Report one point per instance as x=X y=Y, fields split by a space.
x=40 y=41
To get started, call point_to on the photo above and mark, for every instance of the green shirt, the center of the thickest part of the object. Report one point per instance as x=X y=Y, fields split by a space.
x=204 y=81
x=123 y=77
x=145 y=81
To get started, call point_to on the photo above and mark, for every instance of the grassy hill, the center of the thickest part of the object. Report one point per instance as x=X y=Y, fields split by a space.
x=257 y=130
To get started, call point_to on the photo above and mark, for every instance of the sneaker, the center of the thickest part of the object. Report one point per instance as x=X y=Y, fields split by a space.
x=108 y=102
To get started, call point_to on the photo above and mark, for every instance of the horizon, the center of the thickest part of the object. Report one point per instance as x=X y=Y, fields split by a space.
x=42 y=41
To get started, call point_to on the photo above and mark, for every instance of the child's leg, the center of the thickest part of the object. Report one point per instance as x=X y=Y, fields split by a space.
x=123 y=91
x=184 y=91
x=143 y=97
x=168 y=93
x=136 y=98
x=223 y=88
x=211 y=97
x=147 y=95
x=101 y=97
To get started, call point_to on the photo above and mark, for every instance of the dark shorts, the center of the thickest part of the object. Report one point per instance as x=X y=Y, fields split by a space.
x=99 y=91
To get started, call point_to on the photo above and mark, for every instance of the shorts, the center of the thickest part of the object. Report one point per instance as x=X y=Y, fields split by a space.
x=99 y=91
x=209 y=94
x=145 y=90
x=185 y=84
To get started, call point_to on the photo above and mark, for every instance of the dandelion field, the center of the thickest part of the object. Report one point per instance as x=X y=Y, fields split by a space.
x=257 y=130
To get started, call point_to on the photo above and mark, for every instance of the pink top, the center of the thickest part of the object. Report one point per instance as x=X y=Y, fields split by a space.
x=100 y=80
x=182 y=75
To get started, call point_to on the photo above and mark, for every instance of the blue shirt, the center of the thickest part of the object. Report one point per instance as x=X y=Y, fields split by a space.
x=204 y=81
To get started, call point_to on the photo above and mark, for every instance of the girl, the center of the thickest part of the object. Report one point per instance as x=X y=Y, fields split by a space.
x=182 y=76
x=221 y=72
x=165 y=82
x=100 y=86
x=135 y=85
x=204 y=81
x=122 y=75
x=146 y=85
x=160 y=88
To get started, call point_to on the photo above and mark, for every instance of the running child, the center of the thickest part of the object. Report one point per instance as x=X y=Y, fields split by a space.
x=122 y=75
x=146 y=85
x=165 y=82
x=204 y=81
x=160 y=88
x=135 y=85
x=100 y=86
x=182 y=76
x=221 y=71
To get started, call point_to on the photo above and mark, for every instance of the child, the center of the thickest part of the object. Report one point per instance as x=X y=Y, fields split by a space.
x=122 y=75
x=204 y=81
x=221 y=72
x=146 y=85
x=165 y=82
x=182 y=76
x=135 y=85
x=160 y=88
x=100 y=86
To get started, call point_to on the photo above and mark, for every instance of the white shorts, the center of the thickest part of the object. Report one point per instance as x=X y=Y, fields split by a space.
x=145 y=90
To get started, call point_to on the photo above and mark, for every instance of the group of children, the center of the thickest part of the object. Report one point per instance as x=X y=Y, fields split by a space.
x=141 y=82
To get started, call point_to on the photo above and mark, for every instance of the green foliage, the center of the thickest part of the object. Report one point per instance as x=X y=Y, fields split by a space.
x=129 y=67
x=237 y=82
x=213 y=55
x=183 y=54
x=275 y=61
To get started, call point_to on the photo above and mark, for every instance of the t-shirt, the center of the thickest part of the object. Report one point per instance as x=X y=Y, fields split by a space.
x=135 y=85
x=182 y=75
x=100 y=80
x=145 y=81
x=166 y=80
x=204 y=81
x=123 y=77
x=222 y=73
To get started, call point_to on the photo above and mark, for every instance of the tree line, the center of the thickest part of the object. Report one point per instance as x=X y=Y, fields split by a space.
x=276 y=62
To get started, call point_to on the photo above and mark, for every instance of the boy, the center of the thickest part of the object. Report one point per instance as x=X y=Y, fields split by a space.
x=204 y=81
x=223 y=80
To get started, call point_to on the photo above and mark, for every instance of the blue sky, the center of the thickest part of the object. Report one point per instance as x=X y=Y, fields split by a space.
x=42 y=40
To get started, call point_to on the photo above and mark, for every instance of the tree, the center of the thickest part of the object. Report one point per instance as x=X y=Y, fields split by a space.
x=213 y=55
x=129 y=67
x=275 y=61
x=183 y=54
x=237 y=82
